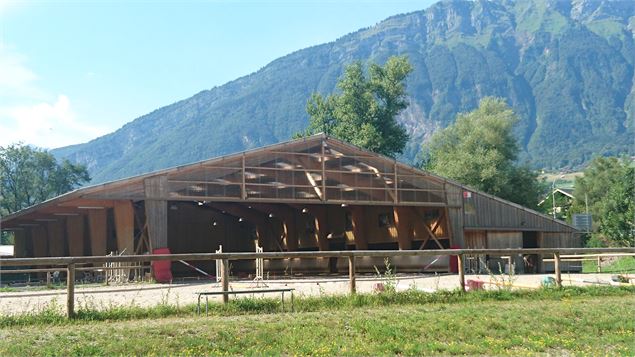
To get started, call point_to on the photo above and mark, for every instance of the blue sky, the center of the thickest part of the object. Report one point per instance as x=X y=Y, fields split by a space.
x=73 y=70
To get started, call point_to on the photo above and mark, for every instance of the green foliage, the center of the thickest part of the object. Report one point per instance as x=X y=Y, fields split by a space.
x=563 y=205
x=365 y=111
x=480 y=150
x=6 y=238
x=609 y=186
x=29 y=176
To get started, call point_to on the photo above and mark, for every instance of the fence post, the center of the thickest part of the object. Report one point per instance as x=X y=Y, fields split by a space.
x=48 y=279
x=224 y=277
x=70 y=290
x=599 y=267
x=556 y=267
x=351 y=274
x=461 y=269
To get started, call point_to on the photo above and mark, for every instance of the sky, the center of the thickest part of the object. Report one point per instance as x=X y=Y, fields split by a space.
x=73 y=70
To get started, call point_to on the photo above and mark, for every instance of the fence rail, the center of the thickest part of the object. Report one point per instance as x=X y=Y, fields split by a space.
x=71 y=262
x=311 y=254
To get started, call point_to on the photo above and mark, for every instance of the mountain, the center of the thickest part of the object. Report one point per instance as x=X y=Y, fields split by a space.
x=566 y=67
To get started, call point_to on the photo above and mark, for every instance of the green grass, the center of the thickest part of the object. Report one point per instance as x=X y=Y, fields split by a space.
x=624 y=265
x=560 y=321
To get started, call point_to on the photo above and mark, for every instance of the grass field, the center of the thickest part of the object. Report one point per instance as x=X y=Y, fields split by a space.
x=596 y=321
x=625 y=265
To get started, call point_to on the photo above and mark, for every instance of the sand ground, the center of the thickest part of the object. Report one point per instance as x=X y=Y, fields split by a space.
x=183 y=293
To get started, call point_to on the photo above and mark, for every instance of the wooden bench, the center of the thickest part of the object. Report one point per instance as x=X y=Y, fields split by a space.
x=236 y=292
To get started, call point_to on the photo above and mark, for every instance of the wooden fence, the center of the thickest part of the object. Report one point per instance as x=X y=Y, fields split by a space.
x=70 y=263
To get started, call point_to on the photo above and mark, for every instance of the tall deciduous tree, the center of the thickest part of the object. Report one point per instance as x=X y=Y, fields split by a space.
x=29 y=176
x=480 y=150
x=608 y=186
x=365 y=110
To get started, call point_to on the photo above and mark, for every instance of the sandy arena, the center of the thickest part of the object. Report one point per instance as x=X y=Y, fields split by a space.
x=183 y=293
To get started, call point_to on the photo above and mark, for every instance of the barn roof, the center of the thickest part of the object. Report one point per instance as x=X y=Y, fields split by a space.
x=316 y=169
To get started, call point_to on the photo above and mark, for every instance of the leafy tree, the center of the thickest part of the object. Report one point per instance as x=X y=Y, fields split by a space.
x=6 y=238
x=29 y=176
x=608 y=187
x=364 y=113
x=480 y=150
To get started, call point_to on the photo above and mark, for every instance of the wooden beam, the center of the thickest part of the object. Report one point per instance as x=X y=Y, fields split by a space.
x=321 y=226
x=425 y=226
x=403 y=223
x=84 y=202
x=157 y=211
x=359 y=227
x=124 y=226
x=70 y=291
x=56 y=238
x=97 y=223
x=75 y=233
x=313 y=183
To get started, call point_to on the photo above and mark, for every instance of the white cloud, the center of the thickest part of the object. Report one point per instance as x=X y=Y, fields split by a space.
x=47 y=125
x=30 y=114
x=16 y=79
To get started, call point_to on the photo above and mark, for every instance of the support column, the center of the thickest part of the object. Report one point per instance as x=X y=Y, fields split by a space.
x=403 y=224
x=461 y=265
x=557 y=271
x=124 y=226
x=70 y=291
x=224 y=277
x=156 y=206
x=321 y=226
x=359 y=230
x=97 y=222
x=351 y=275
x=290 y=233
x=57 y=239
x=156 y=191
x=75 y=232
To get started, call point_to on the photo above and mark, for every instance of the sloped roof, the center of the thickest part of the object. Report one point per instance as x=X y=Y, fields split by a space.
x=316 y=169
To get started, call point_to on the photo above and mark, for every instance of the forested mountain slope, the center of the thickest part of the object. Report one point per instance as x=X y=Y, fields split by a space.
x=565 y=66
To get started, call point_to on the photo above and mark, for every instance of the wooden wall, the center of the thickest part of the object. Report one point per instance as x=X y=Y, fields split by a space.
x=484 y=212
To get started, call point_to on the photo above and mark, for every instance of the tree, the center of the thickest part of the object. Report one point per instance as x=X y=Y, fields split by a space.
x=608 y=187
x=364 y=113
x=29 y=176
x=480 y=150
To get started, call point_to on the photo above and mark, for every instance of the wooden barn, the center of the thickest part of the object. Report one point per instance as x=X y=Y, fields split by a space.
x=316 y=193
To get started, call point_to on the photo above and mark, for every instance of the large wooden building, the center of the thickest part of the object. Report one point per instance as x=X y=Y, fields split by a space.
x=316 y=193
